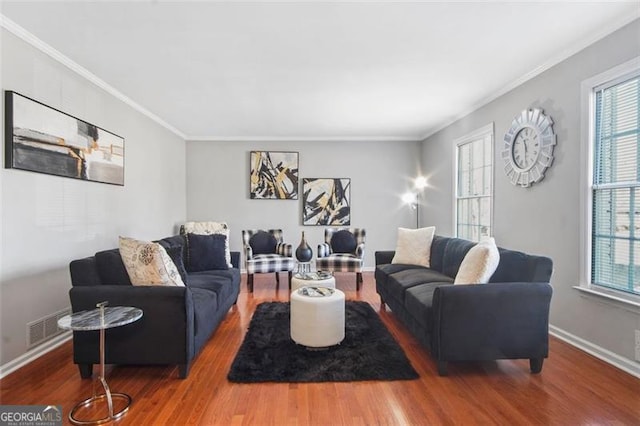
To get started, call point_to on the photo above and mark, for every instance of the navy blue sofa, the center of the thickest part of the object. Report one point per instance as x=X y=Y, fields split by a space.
x=176 y=321
x=508 y=318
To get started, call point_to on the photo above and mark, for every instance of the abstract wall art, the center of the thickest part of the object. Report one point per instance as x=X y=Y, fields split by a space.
x=274 y=175
x=326 y=201
x=42 y=139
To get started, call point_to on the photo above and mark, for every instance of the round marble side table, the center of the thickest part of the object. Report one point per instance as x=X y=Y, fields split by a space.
x=101 y=318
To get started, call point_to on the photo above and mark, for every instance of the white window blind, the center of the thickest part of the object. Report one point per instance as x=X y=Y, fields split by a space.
x=615 y=239
x=474 y=187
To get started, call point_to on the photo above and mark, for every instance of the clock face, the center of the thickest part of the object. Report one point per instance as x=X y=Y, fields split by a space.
x=528 y=147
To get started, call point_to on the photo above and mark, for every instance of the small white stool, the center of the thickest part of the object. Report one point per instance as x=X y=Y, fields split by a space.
x=317 y=321
x=297 y=281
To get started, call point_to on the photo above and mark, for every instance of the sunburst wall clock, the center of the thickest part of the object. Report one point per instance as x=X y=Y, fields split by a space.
x=528 y=147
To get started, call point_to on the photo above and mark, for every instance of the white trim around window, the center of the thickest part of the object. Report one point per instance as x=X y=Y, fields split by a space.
x=485 y=134
x=587 y=114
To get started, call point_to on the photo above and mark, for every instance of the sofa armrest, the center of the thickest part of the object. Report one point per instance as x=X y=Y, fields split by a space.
x=164 y=333
x=490 y=321
x=235 y=259
x=384 y=257
x=84 y=272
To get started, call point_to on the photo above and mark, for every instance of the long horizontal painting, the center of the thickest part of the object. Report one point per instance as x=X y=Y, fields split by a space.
x=42 y=139
x=274 y=175
x=326 y=201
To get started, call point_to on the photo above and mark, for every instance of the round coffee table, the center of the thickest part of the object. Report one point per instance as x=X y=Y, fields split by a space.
x=317 y=317
x=313 y=279
x=101 y=319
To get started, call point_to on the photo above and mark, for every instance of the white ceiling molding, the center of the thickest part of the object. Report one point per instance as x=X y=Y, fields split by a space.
x=45 y=48
x=305 y=138
x=582 y=44
x=234 y=85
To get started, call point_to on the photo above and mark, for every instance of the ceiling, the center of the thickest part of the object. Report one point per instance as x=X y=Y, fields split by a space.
x=311 y=70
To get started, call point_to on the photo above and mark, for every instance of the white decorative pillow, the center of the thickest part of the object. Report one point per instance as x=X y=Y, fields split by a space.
x=414 y=246
x=479 y=263
x=148 y=263
x=209 y=228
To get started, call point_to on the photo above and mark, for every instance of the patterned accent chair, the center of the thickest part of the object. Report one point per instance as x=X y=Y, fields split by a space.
x=342 y=251
x=266 y=252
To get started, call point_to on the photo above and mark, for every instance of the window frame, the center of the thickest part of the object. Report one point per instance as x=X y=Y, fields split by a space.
x=480 y=133
x=588 y=90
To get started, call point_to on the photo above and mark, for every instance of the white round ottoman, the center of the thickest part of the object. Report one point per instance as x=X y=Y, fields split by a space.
x=317 y=316
x=312 y=280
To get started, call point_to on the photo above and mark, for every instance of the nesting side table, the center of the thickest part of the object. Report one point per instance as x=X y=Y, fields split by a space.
x=101 y=318
x=317 y=317
x=316 y=279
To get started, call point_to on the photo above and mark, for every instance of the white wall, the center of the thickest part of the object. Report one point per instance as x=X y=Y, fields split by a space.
x=545 y=218
x=380 y=172
x=47 y=221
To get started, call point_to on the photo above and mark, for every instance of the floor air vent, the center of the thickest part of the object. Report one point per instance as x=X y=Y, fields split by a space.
x=45 y=328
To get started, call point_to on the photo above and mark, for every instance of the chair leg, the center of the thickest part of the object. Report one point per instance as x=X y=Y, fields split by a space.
x=277 y=278
x=250 y=282
x=290 y=274
x=358 y=280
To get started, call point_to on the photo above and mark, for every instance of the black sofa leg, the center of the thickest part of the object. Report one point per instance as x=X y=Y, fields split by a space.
x=442 y=368
x=535 y=364
x=250 y=282
x=358 y=280
x=86 y=370
x=183 y=370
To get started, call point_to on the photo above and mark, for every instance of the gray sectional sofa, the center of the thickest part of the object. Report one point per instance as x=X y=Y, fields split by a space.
x=176 y=322
x=507 y=318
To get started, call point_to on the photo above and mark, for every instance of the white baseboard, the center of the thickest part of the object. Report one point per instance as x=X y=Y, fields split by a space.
x=34 y=353
x=624 y=364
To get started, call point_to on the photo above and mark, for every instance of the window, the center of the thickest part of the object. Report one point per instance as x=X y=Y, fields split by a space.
x=474 y=184
x=615 y=184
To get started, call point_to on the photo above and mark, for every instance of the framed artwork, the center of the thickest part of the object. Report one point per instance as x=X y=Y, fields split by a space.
x=42 y=139
x=326 y=201
x=274 y=175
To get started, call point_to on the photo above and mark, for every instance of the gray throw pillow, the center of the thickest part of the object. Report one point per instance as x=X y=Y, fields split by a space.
x=263 y=243
x=343 y=242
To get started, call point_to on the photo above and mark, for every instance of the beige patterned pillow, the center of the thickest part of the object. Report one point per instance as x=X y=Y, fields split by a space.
x=208 y=228
x=148 y=263
x=414 y=246
x=479 y=263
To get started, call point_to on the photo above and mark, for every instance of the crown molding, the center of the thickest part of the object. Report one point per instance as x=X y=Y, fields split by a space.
x=56 y=55
x=304 y=138
x=555 y=60
x=34 y=41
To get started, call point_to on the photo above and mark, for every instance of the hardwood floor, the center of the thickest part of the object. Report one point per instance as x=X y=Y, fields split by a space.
x=573 y=388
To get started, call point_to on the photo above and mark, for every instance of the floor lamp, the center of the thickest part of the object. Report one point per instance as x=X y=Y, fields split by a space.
x=413 y=198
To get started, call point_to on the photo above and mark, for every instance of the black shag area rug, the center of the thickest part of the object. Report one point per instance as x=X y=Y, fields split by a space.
x=368 y=351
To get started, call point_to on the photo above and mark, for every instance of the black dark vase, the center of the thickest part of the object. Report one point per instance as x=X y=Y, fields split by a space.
x=304 y=252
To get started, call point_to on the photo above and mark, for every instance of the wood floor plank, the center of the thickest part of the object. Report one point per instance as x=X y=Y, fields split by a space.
x=573 y=388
